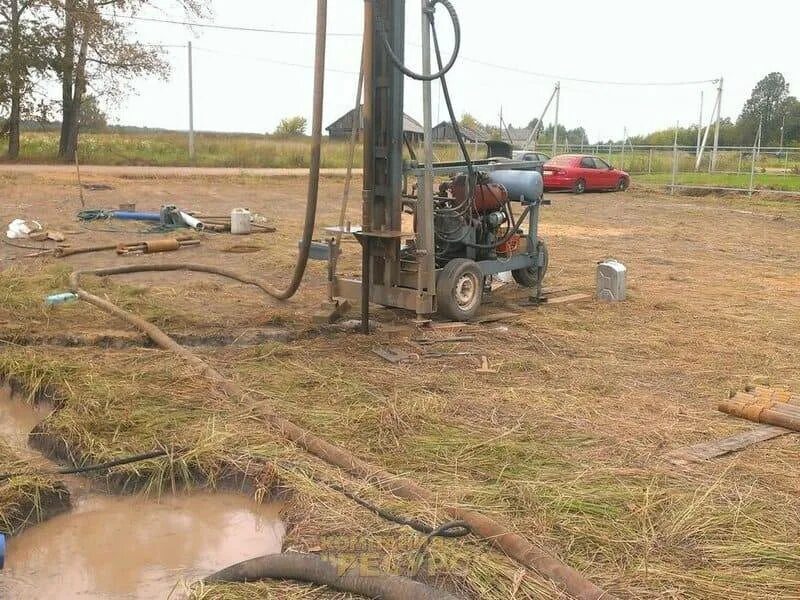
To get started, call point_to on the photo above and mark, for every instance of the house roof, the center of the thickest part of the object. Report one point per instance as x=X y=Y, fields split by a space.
x=410 y=125
x=519 y=134
x=477 y=133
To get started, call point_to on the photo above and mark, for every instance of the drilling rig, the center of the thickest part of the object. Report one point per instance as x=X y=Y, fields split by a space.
x=472 y=219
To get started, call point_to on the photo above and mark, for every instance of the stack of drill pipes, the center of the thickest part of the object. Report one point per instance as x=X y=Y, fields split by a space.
x=767 y=411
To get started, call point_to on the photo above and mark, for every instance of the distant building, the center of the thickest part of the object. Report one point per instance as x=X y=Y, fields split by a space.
x=444 y=132
x=342 y=127
x=518 y=136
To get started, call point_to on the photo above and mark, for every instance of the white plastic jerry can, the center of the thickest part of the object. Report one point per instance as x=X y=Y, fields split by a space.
x=611 y=281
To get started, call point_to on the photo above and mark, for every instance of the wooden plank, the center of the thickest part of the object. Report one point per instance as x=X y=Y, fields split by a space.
x=392 y=354
x=549 y=291
x=501 y=316
x=448 y=325
x=567 y=299
x=734 y=443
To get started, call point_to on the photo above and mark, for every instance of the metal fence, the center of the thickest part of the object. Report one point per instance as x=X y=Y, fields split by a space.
x=734 y=168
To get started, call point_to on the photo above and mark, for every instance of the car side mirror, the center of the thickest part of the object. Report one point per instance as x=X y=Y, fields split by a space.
x=610 y=167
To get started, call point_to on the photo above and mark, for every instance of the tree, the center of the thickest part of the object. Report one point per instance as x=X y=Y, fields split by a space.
x=470 y=122
x=92 y=116
x=292 y=127
x=95 y=49
x=24 y=43
x=790 y=120
x=764 y=106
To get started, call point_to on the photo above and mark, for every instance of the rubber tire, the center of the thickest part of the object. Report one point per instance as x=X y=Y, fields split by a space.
x=579 y=187
x=528 y=278
x=623 y=184
x=446 y=282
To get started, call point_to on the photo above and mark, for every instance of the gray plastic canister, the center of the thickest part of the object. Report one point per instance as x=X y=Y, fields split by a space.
x=527 y=186
x=611 y=281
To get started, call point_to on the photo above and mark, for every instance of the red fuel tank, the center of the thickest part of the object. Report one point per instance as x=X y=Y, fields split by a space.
x=489 y=197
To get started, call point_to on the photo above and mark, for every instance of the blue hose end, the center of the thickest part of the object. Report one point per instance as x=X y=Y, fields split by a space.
x=2 y=550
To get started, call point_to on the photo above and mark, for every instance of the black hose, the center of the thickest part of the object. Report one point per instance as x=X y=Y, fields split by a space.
x=443 y=69
x=454 y=529
x=89 y=468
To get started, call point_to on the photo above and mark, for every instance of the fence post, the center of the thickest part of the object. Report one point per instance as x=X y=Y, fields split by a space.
x=650 y=162
x=786 y=163
x=739 y=166
x=191 y=105
x=756 y=150
x=674 y=160
x=622 y=156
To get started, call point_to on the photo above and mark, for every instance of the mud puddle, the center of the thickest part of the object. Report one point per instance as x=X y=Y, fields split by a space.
x=126 y=547
x=135 y=548
x=17 y=420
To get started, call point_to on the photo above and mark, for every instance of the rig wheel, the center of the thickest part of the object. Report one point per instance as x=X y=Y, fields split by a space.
x=459 y=289
x=579 y=187
x=530 y=277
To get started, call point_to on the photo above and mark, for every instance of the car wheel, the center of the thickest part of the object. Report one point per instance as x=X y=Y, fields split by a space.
x=623 y=184
x=579 y=187
x=530 y=277
x=459 y=289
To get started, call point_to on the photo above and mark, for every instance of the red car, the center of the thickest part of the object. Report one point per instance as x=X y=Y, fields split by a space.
x=580 y=172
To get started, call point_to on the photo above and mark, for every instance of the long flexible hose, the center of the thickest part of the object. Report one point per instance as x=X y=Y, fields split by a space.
x=316 y=159
x=443 y=69
x=346 y=578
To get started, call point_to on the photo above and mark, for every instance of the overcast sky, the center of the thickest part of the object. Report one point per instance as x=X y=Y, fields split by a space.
x=240 y=85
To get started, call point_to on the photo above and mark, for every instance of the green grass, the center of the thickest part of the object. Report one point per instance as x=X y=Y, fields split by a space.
x=762 y=181
x=212 y=150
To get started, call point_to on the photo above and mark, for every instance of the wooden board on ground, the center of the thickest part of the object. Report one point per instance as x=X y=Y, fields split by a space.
x=392 y=354
x=567 y=299
x=502 y=316
x=734 y=443
x=549 y=291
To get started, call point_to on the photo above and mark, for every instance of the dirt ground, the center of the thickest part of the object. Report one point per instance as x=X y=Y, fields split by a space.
x=567 y=441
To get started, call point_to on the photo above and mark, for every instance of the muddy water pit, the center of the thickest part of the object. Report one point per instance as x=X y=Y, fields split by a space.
x=128 y=547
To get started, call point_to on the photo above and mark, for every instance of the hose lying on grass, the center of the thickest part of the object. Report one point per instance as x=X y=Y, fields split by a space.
x=500 y=536
x=313 y=569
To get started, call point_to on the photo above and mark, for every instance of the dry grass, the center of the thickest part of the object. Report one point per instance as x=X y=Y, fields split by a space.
x=566 y=442
x=26 y=500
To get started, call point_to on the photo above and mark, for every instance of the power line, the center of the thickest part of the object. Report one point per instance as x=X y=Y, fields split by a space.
x=588 y=81
x=466 y=59
x=229 y=27
x=272 y=61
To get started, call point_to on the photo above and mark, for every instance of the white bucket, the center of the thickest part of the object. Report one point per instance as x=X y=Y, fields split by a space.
x=240 y=221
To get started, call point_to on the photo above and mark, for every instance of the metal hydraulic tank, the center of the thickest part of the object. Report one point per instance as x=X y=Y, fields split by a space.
x=525 y=186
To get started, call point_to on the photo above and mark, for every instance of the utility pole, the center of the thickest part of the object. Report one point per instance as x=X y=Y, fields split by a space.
x=555 y=127
x=700 y=122
x=715 y=153
x=191 y=106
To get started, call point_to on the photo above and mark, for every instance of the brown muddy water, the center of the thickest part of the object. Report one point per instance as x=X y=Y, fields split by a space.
x=127 y=547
